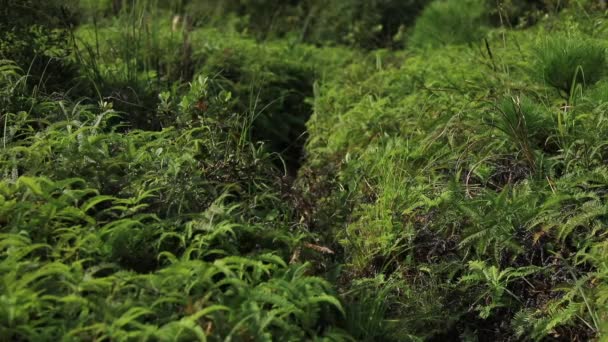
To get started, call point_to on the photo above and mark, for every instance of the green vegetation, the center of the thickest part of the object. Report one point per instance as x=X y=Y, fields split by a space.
x=564 y=62
x=303 y=170
x=461 y=22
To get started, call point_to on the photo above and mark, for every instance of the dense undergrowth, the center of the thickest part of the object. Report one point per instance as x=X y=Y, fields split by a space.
x=303 y=170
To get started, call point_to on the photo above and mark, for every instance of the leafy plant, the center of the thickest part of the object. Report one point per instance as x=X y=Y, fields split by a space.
x=494 y=284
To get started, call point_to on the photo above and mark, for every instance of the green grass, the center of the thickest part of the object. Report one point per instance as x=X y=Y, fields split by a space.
x=204 y=184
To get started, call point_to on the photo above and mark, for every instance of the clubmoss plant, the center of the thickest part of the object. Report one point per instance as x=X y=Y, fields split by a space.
x=564 y=61
x=446 y=22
